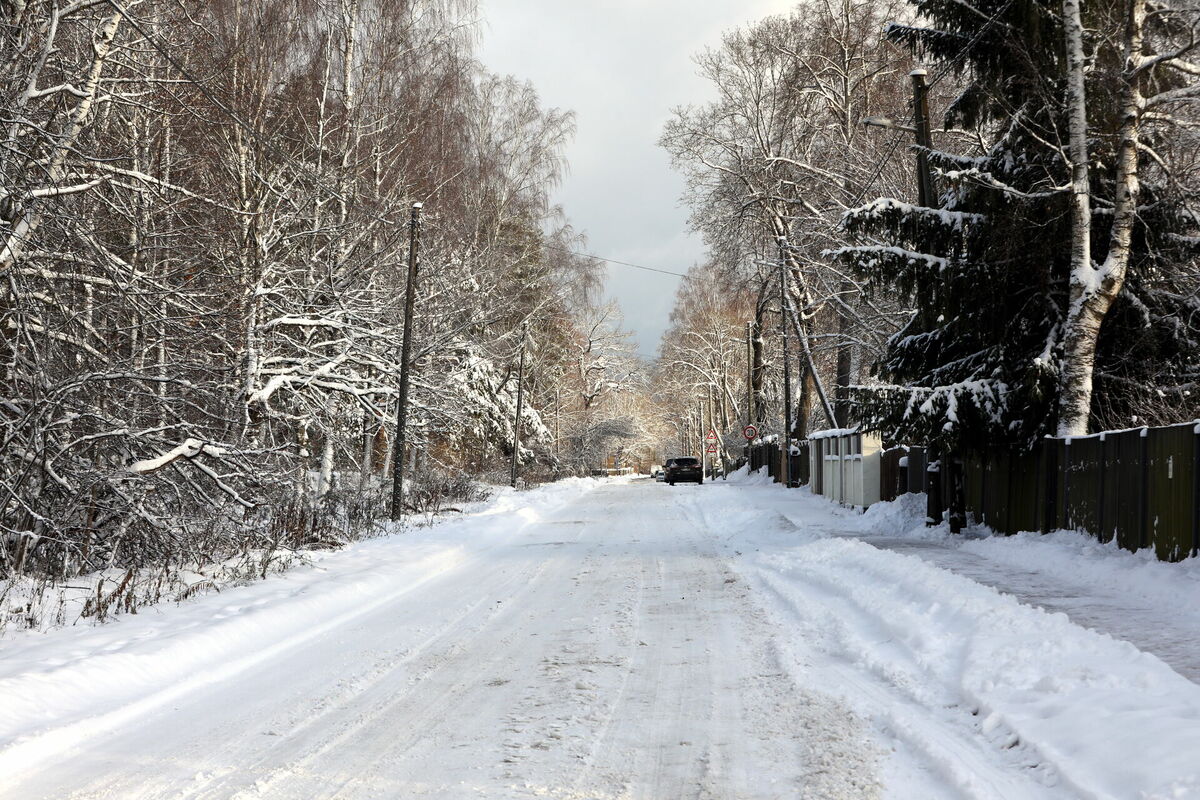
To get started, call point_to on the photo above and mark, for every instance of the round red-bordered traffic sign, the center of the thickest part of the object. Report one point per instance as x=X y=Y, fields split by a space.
x=750 y=432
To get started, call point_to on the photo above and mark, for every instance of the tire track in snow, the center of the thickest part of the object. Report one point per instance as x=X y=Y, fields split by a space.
x=952 y=742
x=607 y=651
x=378 y=695
x=811 y=745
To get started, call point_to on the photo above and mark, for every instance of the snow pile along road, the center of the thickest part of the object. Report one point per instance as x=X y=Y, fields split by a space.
x=967 y=678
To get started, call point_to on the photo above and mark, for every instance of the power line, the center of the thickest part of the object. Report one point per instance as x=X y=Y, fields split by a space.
x=880 y=163
x=949 y=63
x=943 y=70
x=615 y=261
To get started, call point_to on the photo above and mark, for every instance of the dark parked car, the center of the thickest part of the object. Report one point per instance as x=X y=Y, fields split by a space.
x=684 y=468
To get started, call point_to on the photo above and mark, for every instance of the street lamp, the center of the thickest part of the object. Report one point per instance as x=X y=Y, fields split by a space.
x=887 y=124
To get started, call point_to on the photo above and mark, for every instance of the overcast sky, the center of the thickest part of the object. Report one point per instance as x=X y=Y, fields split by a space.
x=620 y=65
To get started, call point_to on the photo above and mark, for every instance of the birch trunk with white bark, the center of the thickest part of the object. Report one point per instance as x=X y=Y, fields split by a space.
x=1094 y=289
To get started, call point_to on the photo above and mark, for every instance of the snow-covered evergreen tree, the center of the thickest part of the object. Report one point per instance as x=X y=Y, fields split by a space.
x=989 y=269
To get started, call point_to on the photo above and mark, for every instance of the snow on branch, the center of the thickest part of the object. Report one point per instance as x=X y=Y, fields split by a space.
x=189 y=450
x=57 y=191
x=889 y=207
x=910 y=256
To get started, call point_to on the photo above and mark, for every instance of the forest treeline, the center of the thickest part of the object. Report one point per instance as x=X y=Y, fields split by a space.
x=204 y=223
x=204 y=226
x=1044 y=282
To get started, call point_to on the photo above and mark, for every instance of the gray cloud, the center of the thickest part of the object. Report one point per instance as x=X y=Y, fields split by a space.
x=620 y=65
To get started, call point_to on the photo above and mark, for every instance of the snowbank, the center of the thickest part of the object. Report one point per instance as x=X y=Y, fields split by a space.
x=904 y=516
x=1081 y=557
x=1079 y=709
x=998 y=698
x=742 y=476
x=1069 y=556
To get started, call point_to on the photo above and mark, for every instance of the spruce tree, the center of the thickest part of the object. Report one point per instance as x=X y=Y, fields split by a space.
x=987 y=270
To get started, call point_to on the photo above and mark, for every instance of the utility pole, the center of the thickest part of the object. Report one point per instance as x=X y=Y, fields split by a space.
x=410 y=291
x=708 y=408
x=926 y=195
x=923 y=131
x=749 y=373
x=512 y=472
x=786 y=439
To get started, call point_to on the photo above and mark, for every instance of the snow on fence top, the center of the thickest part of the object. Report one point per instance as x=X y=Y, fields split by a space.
x=1143 y=428
x=833 y=432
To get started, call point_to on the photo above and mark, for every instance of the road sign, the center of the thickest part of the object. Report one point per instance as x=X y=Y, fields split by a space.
x=750 y=432
x=712 y=448
x=712 y=435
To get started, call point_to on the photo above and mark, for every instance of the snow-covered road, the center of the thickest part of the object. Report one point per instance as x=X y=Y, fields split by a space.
x=599 y=640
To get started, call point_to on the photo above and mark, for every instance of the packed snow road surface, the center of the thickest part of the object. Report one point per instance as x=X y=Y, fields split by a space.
x=599 y=640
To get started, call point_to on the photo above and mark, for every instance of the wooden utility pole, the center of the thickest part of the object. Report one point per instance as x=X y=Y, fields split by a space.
x=711 y=425
x=512 y=471
x=926 y=195
x=557 y=414
x=410 y=291
x=786 y=439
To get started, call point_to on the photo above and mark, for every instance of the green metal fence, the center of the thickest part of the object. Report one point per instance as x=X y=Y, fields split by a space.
x=1140 y=486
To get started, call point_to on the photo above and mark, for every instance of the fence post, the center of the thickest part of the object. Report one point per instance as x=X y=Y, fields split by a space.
x=1066 y=477
x=958 y=490
x=1049 y=483
x=1010 y=526
x=981 y=513
x=933 y=489
x=1144 y=500
x=1196 y=490
x=1100 y=493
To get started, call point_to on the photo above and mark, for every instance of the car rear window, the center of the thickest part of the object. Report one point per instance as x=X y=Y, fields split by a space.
x=686 y=462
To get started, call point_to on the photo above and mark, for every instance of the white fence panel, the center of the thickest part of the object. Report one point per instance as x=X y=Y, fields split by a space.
x=848 y=462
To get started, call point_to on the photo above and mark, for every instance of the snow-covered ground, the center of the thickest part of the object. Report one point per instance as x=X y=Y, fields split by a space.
x=620 y=639
x=1150 y=603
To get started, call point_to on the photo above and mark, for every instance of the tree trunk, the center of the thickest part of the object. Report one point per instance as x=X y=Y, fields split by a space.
x=804 y=406
x=325 y=476
x=368 y=452
x=845 y=360
x=801 y=328
x=757 y=368
x=1093 y=291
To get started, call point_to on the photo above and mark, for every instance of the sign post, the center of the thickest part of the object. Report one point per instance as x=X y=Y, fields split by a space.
x=710 y=449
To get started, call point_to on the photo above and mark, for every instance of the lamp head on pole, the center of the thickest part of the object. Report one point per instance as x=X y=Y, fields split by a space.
x=887 y=124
